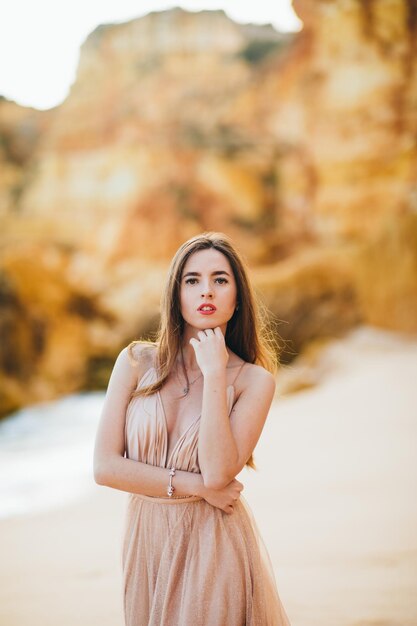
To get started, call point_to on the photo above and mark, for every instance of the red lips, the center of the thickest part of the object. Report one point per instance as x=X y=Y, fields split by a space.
x=207 y=304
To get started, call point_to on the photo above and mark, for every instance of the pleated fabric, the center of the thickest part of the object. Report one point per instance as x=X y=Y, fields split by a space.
x=184 y=561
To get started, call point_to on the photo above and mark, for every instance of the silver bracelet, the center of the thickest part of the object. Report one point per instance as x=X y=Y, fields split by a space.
x=171 y=489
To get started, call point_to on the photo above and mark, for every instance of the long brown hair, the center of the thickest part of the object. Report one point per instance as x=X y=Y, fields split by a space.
x=248 y=332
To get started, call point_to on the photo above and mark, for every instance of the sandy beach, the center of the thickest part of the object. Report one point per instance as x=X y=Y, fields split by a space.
x=334 y=498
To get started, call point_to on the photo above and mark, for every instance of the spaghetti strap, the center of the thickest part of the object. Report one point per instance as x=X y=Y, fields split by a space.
x=240 y=369
x=140 y=380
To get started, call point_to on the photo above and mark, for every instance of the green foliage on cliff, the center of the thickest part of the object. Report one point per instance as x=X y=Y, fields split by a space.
x=257 y=49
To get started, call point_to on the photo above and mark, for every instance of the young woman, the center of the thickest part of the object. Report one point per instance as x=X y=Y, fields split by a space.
x=187 y=411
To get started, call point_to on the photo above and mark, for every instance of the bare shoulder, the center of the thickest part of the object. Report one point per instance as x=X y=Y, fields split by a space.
x=141 y=354
x=255 y=376
x=255 y=391
x=256 y=373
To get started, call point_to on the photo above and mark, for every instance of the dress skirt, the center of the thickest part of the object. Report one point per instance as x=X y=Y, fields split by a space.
x=188 y=563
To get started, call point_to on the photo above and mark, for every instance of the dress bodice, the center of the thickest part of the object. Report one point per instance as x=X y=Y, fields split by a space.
x=146 y=431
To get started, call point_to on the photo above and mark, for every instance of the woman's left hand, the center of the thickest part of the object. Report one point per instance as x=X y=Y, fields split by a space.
x=210 y=350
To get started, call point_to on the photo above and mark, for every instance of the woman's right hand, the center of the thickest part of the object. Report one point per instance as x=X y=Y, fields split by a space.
x=224 y=498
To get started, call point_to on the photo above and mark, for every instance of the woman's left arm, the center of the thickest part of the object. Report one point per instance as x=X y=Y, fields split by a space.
x=226 y=443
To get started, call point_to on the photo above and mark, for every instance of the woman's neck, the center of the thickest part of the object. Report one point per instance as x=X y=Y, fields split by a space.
x=190 y=362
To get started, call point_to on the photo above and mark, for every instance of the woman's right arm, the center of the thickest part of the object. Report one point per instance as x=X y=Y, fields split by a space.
x=111 y=468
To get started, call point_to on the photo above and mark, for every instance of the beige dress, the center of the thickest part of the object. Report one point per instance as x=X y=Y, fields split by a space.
x=186 y=562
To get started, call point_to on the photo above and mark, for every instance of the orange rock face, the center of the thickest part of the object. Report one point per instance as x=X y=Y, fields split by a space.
x=302 y=148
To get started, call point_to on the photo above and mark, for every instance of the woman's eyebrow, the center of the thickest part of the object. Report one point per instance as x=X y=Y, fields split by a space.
x=216 y=273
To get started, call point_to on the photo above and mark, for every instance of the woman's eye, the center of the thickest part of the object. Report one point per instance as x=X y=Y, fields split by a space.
x=188 y=280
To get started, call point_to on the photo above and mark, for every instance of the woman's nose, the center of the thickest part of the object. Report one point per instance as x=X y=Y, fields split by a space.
x=206 y=292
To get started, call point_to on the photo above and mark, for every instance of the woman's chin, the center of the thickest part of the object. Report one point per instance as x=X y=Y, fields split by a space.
x=205 y=322
x=204 y=325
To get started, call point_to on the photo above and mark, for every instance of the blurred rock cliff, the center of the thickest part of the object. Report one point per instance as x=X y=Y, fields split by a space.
x=302 y=147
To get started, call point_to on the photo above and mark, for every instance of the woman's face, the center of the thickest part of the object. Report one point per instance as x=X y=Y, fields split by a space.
x=208 y=277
